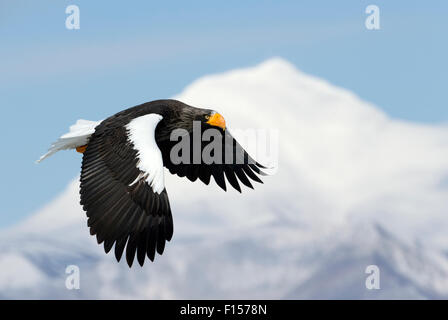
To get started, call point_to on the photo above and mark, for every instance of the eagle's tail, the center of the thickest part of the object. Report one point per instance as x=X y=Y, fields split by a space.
x=77 y=138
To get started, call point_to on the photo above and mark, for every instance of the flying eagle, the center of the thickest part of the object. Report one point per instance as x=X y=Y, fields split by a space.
x=122 y=177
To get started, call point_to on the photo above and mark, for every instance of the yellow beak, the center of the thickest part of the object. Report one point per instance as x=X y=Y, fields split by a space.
x=217 y=120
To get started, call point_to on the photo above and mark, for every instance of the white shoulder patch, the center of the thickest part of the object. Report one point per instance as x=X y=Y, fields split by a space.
x=141 y=132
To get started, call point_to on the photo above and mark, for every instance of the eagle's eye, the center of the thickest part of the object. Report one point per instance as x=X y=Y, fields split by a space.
x=207 y=117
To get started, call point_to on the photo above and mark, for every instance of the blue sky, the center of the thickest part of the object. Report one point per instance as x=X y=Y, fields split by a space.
x=125 y=54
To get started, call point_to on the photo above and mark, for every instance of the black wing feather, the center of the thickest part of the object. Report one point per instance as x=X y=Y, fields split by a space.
x=239 y=168
x=128 y=216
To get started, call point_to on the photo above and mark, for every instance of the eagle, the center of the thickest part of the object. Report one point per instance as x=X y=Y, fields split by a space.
x=122 y=187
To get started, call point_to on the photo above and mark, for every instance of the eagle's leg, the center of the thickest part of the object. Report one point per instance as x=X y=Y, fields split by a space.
x=81 y=149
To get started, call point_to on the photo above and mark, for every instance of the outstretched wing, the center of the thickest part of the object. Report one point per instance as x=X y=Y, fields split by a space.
x=122 y=189
x=233 y=164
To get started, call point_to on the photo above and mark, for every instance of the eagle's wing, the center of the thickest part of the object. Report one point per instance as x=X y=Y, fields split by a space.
x=122 y=189
x=235 y=163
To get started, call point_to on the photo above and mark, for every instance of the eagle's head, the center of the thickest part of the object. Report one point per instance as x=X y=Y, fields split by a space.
x=178 y=115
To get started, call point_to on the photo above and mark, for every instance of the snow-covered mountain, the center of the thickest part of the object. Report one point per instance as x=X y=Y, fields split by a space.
x=353 y=188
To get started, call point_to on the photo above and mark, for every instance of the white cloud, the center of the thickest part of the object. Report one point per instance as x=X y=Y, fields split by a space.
x=353 y=188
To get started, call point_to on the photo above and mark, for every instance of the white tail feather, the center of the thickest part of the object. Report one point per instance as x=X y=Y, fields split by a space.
x=78 y=136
